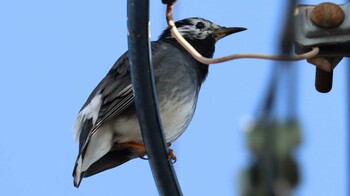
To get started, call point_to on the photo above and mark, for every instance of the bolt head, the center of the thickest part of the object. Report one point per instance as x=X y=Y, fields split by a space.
x=327 y=15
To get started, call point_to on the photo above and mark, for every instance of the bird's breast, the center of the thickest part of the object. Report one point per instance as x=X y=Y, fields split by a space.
x=176 y=115
x=177 y=87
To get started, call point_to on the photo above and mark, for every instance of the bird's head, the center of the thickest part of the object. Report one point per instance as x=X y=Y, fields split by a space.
x=201 y=33
x=200 y=29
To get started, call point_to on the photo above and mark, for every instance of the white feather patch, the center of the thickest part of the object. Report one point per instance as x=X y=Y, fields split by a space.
x=77 y=171
x=100 y=143
x=89 y=112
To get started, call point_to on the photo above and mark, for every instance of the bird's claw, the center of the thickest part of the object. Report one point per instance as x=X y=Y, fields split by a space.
x=171 y=156
x=144 y=156
x=143 y=153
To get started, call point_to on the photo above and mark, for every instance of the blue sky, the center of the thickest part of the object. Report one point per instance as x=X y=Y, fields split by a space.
x=53 y=53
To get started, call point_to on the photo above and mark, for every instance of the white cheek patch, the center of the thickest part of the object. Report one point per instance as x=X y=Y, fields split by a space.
x=192 y=32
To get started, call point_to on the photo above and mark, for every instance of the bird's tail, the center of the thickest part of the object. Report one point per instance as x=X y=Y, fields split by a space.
x=118 y=155
x=77 y=173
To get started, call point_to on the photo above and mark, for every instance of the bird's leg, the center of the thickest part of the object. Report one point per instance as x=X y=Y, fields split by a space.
x=141 y=148
x=143 y=153
x=171 y=155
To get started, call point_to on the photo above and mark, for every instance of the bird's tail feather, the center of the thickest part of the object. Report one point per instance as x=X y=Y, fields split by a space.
x=118 y=155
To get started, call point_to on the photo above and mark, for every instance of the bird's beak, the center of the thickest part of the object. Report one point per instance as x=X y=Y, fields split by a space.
x=225 y=31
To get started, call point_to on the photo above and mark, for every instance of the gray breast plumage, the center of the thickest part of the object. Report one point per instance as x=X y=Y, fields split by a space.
x=177 y=91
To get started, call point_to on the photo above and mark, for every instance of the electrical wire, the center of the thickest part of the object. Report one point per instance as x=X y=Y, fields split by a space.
x=204 y=60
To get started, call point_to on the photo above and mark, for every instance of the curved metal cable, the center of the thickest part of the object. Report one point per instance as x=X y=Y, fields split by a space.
x=146 y=100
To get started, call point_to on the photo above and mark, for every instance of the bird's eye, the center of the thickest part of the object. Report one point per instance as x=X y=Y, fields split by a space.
x=200 y=25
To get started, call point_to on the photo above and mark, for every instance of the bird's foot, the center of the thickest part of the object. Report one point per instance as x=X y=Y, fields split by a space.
x=171 y=156
x=141 y=149
x=143 y=154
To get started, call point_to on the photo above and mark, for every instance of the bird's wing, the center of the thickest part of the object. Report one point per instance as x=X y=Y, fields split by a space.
x=111 y=97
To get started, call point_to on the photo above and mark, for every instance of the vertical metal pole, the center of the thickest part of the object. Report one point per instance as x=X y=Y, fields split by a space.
x=269 y=162
x=348 y=140
x=146 y=100
x=348 y=131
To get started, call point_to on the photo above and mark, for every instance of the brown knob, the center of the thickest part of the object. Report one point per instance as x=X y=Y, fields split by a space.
x=327 y=15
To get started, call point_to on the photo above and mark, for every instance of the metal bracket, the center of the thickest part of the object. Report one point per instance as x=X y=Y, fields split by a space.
x=326 y=26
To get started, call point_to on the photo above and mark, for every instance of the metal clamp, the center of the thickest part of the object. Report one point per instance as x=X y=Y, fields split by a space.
x=326 y=26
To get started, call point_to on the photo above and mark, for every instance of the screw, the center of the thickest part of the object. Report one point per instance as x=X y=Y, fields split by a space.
x=327 y=15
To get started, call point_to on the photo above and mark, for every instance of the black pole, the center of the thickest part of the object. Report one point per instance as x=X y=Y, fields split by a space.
x=348 y=133
x=146 y=100
x=348 y=102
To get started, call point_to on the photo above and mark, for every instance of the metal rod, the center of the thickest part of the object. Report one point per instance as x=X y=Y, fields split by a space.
x=348 y=114
x=347 y=161
x=348 y=100
x=145 y=98
x=270 y=171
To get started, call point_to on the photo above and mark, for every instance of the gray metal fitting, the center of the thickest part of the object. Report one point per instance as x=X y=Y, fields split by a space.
x=326 y=26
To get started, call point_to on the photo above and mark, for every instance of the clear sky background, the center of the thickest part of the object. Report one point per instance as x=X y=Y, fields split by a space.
x=53 y=53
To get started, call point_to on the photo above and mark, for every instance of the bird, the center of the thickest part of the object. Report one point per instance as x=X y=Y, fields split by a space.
x=107 y=128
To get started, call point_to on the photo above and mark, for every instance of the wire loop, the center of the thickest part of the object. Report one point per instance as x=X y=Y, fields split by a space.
x=204 y=60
